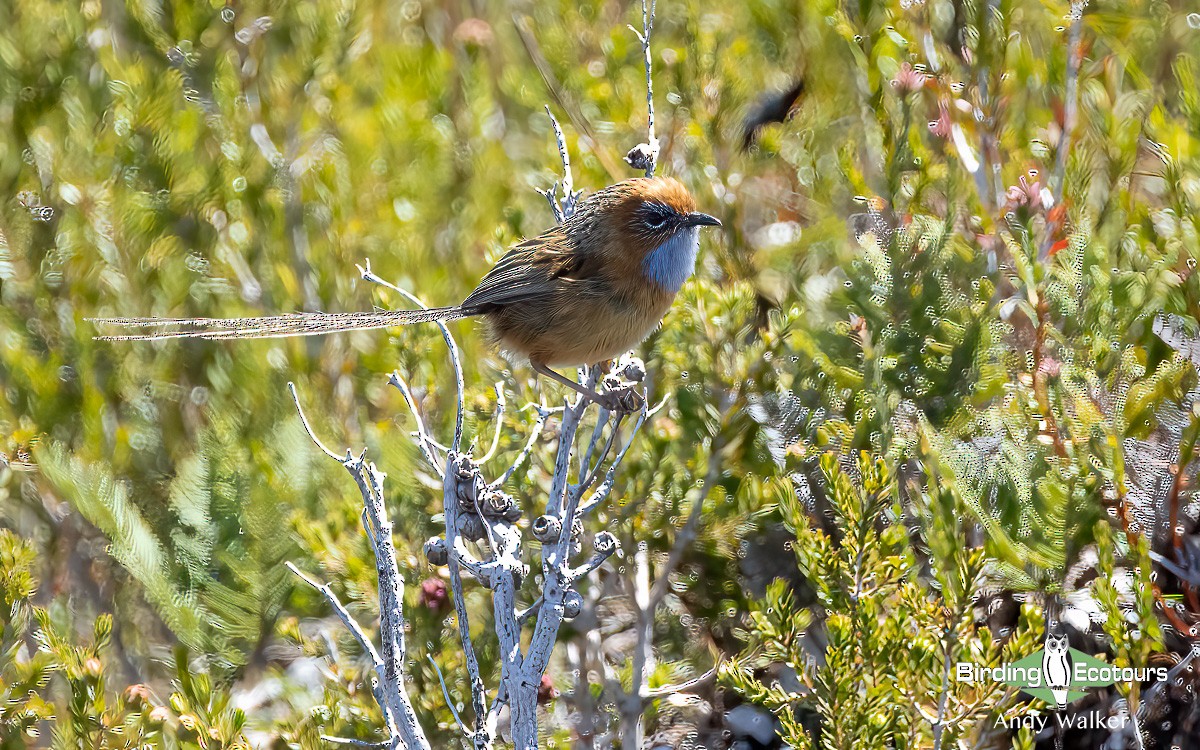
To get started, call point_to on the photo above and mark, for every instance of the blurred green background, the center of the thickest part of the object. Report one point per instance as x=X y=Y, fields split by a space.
x=208 y=159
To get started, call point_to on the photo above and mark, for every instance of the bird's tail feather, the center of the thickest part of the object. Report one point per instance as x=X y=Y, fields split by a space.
x=273 y=326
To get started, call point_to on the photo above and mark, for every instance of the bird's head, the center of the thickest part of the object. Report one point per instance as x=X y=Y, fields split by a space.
x=649 y=223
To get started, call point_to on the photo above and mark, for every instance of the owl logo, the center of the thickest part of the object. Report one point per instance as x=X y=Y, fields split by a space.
x=1056 y=667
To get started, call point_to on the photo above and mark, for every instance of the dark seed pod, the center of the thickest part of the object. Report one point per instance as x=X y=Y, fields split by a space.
x=436 y=551
x=471 y=527
x=497 y=504
x=642 y=156
x=631 y=369
x=572 y=604
x=463 y=468
x=605 y=543
x=546 y=528
x=467 y=494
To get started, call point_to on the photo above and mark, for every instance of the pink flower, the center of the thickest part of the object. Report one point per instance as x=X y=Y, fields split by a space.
x=908 y=79
x=1050 y=367
x=160 y=714
x=546 y=690
x=474 y=32
x=434 y=593
x=137 y=695
x=943 y=125
x=1025 y=195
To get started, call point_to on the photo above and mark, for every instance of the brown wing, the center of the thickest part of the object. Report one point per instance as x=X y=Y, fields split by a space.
x=534 y=268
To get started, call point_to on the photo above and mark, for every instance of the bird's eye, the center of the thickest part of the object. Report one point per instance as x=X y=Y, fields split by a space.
x=656 y=218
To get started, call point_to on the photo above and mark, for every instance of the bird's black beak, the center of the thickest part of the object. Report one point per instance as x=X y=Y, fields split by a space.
x=698 y=219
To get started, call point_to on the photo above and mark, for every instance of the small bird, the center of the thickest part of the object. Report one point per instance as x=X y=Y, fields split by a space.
x=580 y=293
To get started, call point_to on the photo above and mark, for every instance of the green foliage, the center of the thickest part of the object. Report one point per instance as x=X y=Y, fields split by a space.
x=23 y=675
x=993 y=352
x=218 y=579
x=884 y=674
x=989 y=338
x=67 y=683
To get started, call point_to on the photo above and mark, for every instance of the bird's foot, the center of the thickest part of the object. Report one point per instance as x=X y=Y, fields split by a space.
x=621 y=400
x=620 y=380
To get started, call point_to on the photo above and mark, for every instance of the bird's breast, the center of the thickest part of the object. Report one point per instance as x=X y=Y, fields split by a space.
x=671 y=263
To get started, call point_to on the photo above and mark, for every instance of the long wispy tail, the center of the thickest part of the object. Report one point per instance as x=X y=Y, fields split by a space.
x=274 y=326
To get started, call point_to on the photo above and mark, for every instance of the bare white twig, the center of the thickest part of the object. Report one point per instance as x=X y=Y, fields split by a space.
x=595 y=561
x=645 y=155
x=446 y=695
x=606 y=486
x=568 y=182
x=563 y=207
x=424 y=442
x=585 y=484
x=369 y=275
x=601 y=422
x=524 y=615
x=535 y=432
x=342 y=613
x=398 y=710
x=356 y=743
x=308 y=428
x=632 y=705
x=501 y=403
x=477 y=568
x=391 y=597
x=452 y=510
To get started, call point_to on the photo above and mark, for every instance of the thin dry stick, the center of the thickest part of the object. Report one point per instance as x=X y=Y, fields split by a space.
x=601 y=423
x=534 y=433
x=342 y=613
x=446 y=695
x=1070 y=115
x=578 y=119
x=501 y=404
x=425 y=443
x=481 y=736
x=307 y=427
x=355 y=743
x=398 y=709
x=682 y=687
x=651 y=152
x=369 y=275
x=563 y=207
x=606 y=486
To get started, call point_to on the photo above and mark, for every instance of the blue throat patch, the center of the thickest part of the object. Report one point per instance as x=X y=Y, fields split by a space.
x=672 y=262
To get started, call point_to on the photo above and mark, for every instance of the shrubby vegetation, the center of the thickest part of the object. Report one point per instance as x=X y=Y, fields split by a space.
x=917 y=384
